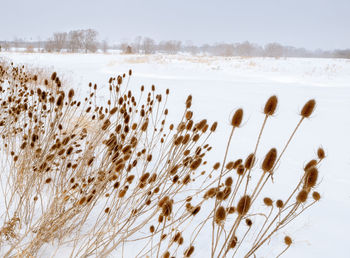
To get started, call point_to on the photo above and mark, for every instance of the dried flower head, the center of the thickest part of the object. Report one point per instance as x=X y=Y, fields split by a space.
x=270 y=106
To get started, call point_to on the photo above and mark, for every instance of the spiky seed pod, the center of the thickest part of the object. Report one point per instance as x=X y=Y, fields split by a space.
x=82 y=200
x=310 y=164
x=220 y=214
x=237 y=163
x=189 y=251
x=53 y=76
x=167 y=208
x=201 y=124
x=228 y=181
x=229 y=165
x=186 y=179
x=248 y=222
x=288 y=240
x=119 y=80
x=162 y=201
x=227 y=192
x=316 y=196
x=249 y=162
x=243 y=205
x=216 y=165
x=320 y=153
x=213 y=127
x=270 y=106
x=189 y=115
x=233 y=242
x=195 y=164
x=268 y=201
x=220 y=195
x=237 y=118
x=195 y=210
x=308 y=108
x=269 y=160
x=210 y=193
x=311 y=177
x=302 y=196
x=144 y=126
x=231 y=210
x=178 y=140
x=240 y=170
x=177 y=237
x=71 y=94
x=279 y=204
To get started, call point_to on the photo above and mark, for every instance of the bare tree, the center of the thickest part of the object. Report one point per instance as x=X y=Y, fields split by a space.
x=148 y=46
x=245 y=49
x=60 y=40
x=274 y=50
x=136 y=45
x=75 y=39
x=89 y=40
x=170 y=47
x=49 y=45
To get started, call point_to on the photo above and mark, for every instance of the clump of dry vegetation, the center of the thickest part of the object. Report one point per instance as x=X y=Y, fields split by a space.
x=94 y=179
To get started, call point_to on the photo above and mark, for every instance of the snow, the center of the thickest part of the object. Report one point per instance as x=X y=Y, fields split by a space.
x=220 y=85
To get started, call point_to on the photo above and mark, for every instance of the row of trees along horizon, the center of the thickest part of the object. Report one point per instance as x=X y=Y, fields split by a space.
x=86 y=41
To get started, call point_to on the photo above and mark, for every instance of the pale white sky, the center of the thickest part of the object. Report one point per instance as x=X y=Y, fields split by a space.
x=302 y=23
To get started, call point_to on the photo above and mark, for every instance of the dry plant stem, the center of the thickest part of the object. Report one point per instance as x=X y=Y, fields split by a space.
x=255 y=150
x=261 y=241
x=92 y=175
x=279 y=158
x=216 y=201
x=263 y=226
x=285 y=249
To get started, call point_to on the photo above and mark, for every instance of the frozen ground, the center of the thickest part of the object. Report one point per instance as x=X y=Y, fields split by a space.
x=219 y=86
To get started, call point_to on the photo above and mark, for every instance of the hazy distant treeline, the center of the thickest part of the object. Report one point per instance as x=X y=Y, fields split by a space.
x=86 y=41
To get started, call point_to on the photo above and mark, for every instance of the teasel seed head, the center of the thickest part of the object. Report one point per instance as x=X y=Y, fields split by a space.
x=249 y=162
x=248 y=222
x=233 y=242
x=302 y=196
x=269 y=160
x=228 y=181
x=213 y=127
x=243 y=205
x=268 y=201
x=237 y=118
x=311 y=177
x=216 y=165
x=279 y=204
x=320 y=153
x=310 y=164
x=53 y=76
x=288 y=240
x=189 y=251
x=316 y=196
x=308 y=108
x=270 y=106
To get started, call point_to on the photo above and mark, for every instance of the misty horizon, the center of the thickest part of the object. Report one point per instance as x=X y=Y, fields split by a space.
x=315 y=24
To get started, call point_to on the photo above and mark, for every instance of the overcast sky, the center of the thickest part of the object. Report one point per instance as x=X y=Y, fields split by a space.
x=302 y=23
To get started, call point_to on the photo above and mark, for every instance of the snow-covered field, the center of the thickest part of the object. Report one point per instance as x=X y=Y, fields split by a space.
x=219 y=86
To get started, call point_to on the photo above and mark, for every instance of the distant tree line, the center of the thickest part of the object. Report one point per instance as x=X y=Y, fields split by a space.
x=85 y=41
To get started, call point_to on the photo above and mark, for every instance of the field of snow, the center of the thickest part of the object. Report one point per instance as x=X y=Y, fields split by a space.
x=220 y=85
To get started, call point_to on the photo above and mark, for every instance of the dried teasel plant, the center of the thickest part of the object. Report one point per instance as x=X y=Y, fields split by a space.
x=96 y=178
